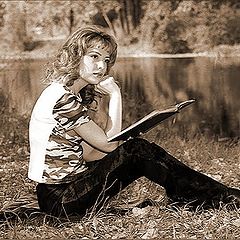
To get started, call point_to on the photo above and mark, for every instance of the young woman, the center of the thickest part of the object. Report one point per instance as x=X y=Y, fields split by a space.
x=71 y=159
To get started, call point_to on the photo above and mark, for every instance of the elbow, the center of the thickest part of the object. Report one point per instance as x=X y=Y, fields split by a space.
x=110 y=146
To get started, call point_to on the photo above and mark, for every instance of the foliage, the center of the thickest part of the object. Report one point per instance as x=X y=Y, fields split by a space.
x=161 y=26
x=154 y=23
x=225 y=29
x=104 y=10
x=184 y=26
x=2 y=13
x=58 y=17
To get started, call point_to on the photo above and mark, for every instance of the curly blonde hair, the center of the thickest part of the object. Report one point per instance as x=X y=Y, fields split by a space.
x=65 y=66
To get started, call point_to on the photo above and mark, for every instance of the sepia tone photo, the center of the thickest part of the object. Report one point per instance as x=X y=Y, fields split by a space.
x=119 y=119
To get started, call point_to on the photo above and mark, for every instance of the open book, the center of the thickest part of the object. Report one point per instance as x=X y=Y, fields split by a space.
x=148 y=122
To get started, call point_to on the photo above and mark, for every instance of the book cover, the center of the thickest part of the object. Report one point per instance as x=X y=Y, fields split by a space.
x=149 y=121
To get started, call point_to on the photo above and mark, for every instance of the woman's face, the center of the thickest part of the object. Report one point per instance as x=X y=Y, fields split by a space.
x=93 y=65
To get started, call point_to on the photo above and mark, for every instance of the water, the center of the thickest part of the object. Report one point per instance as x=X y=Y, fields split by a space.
x=148 y=84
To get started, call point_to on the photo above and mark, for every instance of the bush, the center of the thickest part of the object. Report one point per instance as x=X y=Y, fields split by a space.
x=188 y=26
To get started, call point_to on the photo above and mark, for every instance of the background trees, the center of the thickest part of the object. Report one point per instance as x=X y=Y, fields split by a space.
x=12 y=25
x=164 y=26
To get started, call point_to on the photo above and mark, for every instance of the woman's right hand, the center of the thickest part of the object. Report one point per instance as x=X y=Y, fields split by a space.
x=108 y=86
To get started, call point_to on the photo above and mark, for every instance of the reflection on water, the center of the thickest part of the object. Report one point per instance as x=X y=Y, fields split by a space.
x=149 y=83
x=20 y=83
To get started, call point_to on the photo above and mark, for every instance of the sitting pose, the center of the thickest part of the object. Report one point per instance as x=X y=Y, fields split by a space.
x=71 y=158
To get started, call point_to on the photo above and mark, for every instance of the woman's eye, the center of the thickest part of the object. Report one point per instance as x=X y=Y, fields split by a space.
x=94 y=56
x=107 y=60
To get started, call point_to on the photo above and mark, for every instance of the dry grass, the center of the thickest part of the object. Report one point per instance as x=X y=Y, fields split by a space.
x=219 y=159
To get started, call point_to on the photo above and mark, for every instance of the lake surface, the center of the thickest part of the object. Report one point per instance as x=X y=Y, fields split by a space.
x=148 y=84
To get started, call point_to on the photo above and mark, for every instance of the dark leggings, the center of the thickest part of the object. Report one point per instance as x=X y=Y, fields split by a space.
x=131 y=160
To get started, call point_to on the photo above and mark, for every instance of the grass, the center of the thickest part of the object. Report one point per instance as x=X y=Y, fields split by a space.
x=219 y=160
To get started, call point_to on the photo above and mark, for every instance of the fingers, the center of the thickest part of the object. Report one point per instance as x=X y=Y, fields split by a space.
x=100 y=89
x=107 y=86
x=107 y=80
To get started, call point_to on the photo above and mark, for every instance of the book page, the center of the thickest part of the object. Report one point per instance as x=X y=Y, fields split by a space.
x=149 y=121
x=154 y=114
x=184 y=104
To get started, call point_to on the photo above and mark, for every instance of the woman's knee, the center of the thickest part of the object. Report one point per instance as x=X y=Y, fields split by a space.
x=142 y=148
x=136 y=142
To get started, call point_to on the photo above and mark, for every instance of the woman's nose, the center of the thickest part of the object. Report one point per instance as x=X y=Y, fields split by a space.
x=100 y=64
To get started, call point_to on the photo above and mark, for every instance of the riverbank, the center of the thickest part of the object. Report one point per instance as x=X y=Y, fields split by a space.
x=135 y=51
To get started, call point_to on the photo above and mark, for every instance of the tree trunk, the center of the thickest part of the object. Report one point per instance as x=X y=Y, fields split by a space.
x=110 y=25
x=13 y=34
x=130 y=14
x=136 y=12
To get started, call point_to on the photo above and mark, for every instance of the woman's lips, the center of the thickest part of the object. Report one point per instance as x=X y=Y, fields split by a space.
x=98 y=75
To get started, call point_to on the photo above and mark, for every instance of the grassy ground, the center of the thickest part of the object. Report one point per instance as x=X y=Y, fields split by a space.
x=221 y=160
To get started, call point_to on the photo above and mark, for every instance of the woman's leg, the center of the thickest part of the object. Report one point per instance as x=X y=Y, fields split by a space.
x=182 y=184
x=133 y=159
x=104 y=178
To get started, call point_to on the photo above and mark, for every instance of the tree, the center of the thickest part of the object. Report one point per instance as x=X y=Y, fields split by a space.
x=104 y=8
x=156 y=17
x=2 y=13
x=13 y=33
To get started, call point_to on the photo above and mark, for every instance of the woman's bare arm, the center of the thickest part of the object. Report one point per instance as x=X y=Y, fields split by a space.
x=95 y=144
x=95 y=137
x=114 y=123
